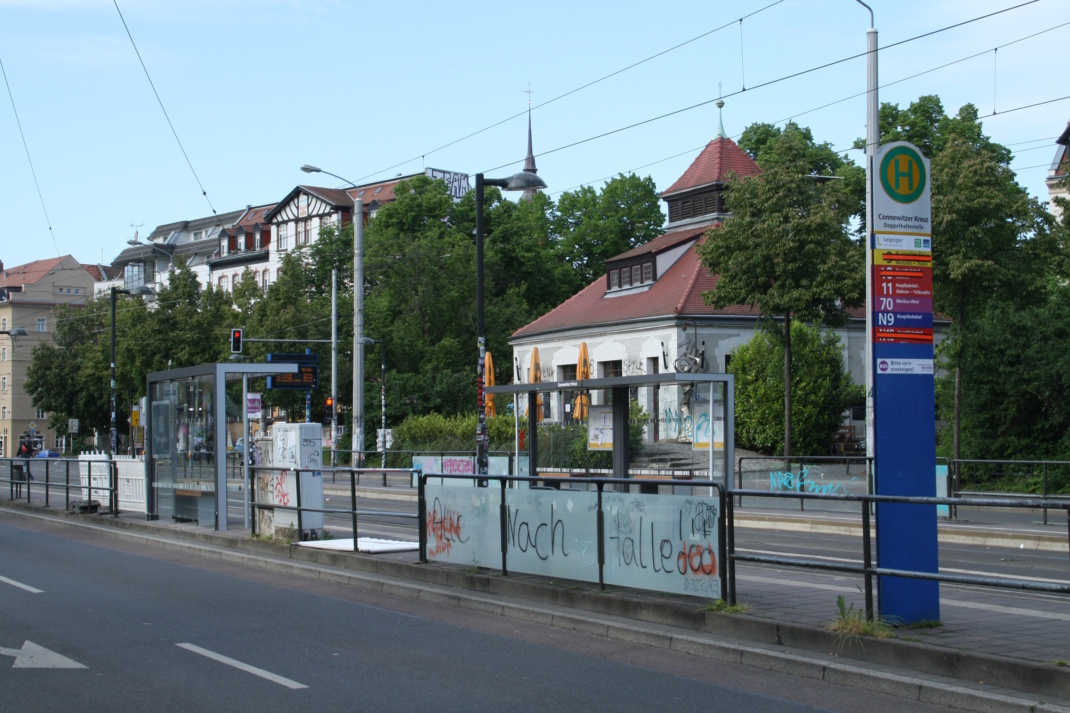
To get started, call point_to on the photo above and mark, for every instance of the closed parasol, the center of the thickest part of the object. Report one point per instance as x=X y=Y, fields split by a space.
x=535 y=377
x=488 y=380
x=583 y=371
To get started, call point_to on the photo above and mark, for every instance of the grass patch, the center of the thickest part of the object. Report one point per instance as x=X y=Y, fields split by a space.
x=720 y=606
x=1059 y=662
x=851 y=624
x=924 y=624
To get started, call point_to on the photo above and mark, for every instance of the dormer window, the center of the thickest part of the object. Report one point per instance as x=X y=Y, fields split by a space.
x=648 y=272
x=614 y=279
x=625 y=278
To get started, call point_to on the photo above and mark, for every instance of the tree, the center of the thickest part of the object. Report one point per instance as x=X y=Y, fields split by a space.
x=991 y=242
x=595 y=226
x=821 y=385
x=765 y=143
x=785 y=250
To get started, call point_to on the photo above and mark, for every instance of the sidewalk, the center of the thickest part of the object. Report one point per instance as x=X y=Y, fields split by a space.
x=991 y=643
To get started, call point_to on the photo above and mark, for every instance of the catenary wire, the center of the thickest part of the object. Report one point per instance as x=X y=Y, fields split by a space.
x=840 y=101
x=759 y=86
x=29 y=160
x=572 y=91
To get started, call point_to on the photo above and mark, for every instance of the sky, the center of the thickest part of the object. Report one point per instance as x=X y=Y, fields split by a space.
x=256 y=88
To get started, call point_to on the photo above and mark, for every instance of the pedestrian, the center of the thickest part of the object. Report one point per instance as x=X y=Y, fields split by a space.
x=25 y=450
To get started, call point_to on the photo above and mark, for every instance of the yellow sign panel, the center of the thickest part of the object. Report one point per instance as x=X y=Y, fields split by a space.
x=902 y=257
x=135 y=419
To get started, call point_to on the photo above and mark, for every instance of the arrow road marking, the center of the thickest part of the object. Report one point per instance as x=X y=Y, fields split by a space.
x=20 y=585
x=274 y=678
x=33 y=656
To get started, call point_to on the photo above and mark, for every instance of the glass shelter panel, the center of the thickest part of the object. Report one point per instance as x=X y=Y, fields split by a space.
x=183 y=449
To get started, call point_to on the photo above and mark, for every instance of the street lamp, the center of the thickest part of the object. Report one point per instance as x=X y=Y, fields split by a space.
x=358 y=319
x=16 y=332
x=517 y=182
x=382 y=388
x=140 y=290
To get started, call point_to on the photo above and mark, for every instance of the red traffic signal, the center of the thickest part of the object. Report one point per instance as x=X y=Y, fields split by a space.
x=235 y=340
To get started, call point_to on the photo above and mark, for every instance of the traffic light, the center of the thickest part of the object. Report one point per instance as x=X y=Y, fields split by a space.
x=235 y=340
x=328 y=410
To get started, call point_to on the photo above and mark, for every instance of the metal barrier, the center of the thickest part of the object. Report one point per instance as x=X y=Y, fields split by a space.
x=675 y=555
x=20 y=474
x=867 y=569
x=789 y=481
x=1031 y=465
x=352 y=512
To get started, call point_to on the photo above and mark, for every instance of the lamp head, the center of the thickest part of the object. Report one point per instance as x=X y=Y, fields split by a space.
x=311 y=169
x=142 y=291
x=524 y=181
x=133 y=241
x=16 y=332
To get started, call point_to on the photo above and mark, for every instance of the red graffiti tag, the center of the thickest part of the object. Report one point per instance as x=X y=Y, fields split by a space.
x=692 y=560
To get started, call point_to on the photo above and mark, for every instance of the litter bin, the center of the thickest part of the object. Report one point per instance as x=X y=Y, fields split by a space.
x=18 y=477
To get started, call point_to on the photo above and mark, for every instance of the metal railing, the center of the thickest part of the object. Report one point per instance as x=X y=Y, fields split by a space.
x=867 y=568
x=1004 y=468
x=353 y=513
x=21 y=476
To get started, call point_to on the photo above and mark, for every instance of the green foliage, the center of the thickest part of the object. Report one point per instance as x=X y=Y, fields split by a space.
x=785 y=249
x=1017 y=402
x=821 y=386
x=595 y=226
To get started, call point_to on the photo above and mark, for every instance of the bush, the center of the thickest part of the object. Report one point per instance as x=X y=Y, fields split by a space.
x=821 y=390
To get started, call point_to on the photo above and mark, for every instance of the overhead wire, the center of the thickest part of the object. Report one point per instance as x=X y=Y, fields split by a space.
x=768 y=83
x=573 y=91
x=164 y=109
x=844 y=99
x=29 y=160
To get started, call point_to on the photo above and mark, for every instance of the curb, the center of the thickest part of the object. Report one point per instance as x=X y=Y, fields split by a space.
x=896 y=667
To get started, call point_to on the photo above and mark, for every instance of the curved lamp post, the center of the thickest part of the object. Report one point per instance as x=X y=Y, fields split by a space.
x=517 y=182
x=358 y=325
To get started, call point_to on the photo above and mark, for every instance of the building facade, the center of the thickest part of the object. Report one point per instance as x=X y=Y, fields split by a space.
x=29 y=295
x=646 y=315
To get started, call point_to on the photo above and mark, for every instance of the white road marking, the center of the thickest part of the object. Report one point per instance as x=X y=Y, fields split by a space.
x=274 y=678
x=33 y=656
x=20 y=585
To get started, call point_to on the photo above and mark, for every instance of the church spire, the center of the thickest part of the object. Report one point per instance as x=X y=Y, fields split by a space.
x=720 y=121
x=529 y=160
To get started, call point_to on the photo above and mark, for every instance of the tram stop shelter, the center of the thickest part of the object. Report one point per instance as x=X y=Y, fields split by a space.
x=710 y=399
x=186 y=439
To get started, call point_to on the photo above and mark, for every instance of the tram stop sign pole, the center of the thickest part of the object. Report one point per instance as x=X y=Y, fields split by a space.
x=904 y=398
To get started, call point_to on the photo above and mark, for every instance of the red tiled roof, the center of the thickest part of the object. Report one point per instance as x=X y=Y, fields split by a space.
x=381 y=192
x=255 y=215
x=29 y=273
x=100 y=273
x=720 y=157
x=675 y=295
x=664 y=242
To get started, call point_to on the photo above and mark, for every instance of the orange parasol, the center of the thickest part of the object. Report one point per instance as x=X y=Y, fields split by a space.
x=488 y=380
x=583 y=371
x=534 y=377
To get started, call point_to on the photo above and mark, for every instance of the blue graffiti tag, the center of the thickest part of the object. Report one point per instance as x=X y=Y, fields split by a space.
x=796 y=482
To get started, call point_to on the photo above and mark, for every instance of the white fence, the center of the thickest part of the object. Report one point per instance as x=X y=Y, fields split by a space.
x=94 y=470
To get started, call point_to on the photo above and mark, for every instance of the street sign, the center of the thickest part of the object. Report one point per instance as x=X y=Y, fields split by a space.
x=379 y=439
x=134 y=419
x=72 y=425
x=307 y=377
